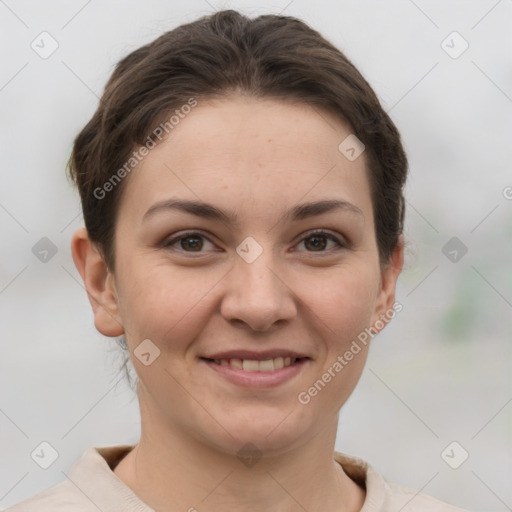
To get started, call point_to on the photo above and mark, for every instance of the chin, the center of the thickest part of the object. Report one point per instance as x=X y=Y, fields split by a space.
x=272 y=432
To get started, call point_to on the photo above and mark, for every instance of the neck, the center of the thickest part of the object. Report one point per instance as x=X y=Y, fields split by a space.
x=169 y=466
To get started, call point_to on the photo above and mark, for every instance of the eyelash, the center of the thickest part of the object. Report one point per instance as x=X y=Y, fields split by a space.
x=193 y=234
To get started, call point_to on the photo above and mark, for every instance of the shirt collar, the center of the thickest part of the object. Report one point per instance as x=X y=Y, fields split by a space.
x=93 y=475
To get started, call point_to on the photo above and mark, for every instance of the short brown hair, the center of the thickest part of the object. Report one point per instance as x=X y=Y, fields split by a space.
x=270 y=56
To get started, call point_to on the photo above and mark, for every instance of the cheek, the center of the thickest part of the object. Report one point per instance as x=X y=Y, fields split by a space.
x=343 y=309
x=344 y=301
x=165 y=303
x=170 y=304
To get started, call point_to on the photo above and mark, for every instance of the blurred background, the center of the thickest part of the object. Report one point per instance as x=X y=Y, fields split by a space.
x=433 y=409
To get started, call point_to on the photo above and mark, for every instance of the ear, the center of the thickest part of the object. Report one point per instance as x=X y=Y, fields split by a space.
x=385 y=304
x=99 y=283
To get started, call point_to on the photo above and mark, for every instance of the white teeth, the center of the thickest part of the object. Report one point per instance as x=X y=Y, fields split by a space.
x=278 y=363
x=236 y=363
x=251 y=365
x=266 y=366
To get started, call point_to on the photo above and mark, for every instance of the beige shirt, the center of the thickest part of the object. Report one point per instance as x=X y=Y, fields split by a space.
x=92 y=486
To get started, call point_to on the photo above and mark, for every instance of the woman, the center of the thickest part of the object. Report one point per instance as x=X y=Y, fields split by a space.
x=242 y=191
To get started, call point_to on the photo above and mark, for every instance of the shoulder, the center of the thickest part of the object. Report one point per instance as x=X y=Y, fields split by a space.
x=384 y=496
x=408 y=500
x=62 y=497
x=90 y=485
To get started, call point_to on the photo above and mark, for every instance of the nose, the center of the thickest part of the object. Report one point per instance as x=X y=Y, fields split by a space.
x=257 y=296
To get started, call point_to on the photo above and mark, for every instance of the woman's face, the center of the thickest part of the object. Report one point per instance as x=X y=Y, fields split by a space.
x=246 y=279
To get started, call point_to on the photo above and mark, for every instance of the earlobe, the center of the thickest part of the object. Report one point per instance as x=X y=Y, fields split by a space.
x=99 y=283
x=386 y=308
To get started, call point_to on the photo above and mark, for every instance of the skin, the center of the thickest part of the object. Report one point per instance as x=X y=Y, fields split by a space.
x=258 y=158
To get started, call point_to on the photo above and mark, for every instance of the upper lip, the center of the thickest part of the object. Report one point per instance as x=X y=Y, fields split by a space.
x=255 y=356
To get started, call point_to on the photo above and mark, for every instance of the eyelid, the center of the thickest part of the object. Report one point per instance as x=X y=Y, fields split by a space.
x=179 y=235
x=340 y=240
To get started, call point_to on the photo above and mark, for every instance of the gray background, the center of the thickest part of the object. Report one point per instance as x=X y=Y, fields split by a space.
x=439 y=372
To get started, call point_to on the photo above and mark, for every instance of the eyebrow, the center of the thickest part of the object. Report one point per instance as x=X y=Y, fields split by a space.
x=205 y=210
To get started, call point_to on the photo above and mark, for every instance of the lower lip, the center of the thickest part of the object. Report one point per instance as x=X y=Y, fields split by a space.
x=258 y=380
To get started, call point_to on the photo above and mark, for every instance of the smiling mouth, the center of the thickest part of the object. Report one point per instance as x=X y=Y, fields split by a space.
x=252 y=365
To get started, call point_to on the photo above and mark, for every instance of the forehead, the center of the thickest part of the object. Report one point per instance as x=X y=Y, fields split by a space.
x=255 y=129
x=250 y=153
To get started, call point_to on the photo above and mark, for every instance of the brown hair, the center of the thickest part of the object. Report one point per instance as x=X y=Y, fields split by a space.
x=269 y=56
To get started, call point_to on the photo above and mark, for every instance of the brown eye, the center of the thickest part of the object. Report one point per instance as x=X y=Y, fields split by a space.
x=187 y=242
x=195 y=245
x=318 y=241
